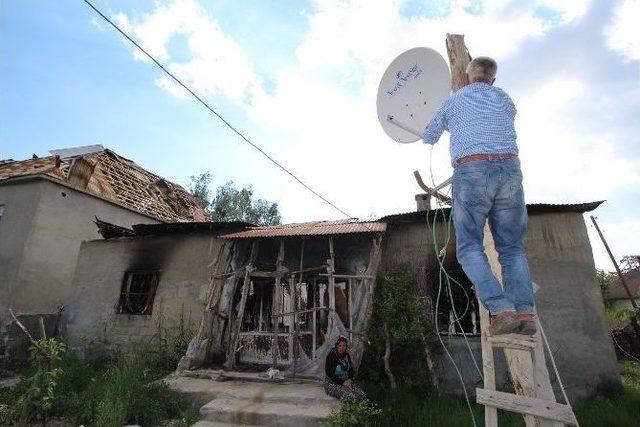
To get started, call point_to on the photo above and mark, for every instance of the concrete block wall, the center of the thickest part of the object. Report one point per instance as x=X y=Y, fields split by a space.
x=185 y=263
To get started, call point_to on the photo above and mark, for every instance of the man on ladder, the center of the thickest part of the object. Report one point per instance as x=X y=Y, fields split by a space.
x=487 y=184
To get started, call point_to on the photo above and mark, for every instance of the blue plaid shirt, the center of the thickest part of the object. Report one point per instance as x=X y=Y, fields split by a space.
x=480 y=119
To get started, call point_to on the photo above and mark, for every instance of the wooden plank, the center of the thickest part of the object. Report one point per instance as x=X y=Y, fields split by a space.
x=488 y=366
x=527 y=405
x=331 y=284
x=296 y=300
x=459 y=58
x=200 y=346
x=513 y=341
x=314 y=319
x=370 y=288
x=348 y=276
x=277 y=294
x=236 y=326
x=528 y=371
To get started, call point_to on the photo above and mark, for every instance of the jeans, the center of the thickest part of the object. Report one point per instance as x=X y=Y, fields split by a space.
x=492 y=189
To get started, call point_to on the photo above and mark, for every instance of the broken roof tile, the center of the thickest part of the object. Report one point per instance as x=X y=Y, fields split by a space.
x=112 y=177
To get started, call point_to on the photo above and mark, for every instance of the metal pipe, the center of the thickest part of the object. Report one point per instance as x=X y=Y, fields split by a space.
x=404 y=127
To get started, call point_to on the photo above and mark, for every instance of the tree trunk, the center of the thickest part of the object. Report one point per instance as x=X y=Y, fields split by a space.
x=387 y=355
x=428 y=356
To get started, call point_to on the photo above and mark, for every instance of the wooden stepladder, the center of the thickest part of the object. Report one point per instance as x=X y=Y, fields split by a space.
x=534 y=396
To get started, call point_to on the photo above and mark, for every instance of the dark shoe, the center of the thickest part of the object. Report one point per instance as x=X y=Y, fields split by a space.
x=505 y=322
x=527 y=324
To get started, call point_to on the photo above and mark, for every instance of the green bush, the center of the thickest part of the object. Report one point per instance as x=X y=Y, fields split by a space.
x=410 y=330
x=126 y=393
x=353 y=413
x=106 y=390
x=36 y=392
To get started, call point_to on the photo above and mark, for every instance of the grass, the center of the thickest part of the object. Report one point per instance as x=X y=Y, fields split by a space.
x=110 y=391
x=619 y=408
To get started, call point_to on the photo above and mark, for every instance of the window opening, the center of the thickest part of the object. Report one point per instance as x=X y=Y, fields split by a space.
x=463 y=298
x=138 y=292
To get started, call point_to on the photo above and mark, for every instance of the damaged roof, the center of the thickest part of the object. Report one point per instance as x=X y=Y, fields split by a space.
x=112 y=177
x=108 y=230
x=344 y=226
x=532 y=209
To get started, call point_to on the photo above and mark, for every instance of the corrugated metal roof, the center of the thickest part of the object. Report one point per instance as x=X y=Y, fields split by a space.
x=532 y=209
x=109 y=176
x=345 y=226
x=210 y=227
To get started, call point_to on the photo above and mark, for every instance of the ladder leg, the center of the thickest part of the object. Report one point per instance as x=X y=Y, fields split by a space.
x=488 y=367
x=527 y=368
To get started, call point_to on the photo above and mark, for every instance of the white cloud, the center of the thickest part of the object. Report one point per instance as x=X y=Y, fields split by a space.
x=569 y=10
x=97 y=23
x=217 y=64
x=561 y=162
x=321 y=118
x=623 y=33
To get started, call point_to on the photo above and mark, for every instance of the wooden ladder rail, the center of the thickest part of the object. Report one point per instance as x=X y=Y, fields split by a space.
x=534 y=396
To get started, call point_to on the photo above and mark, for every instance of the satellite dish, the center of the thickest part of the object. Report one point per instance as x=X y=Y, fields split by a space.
x=410 y=92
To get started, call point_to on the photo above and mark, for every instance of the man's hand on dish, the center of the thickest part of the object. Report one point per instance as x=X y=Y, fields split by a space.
x=348 y=383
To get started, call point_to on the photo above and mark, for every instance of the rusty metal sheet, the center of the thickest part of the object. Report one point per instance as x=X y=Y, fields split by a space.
x=345 y=226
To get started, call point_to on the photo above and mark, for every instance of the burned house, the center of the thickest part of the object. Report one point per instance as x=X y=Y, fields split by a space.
x=280 y=295
x=293 y=288
x=48 y=206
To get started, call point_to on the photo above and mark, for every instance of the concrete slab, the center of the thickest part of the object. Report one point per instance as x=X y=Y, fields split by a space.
x=288 y=403
x=265 y=413
x=205 y=423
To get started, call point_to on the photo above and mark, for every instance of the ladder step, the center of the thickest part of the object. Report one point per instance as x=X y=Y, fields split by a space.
x=526 y=405
x=513 y=341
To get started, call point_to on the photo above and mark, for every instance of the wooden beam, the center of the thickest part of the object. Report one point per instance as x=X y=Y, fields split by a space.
x=528 y=405
x=348 y=276
x=235 y=328
x=331 y=283
x=514 y=341
x=459 y=58
x=430 y=191
x=275 y=348
x=370 y=290
x=528 y=369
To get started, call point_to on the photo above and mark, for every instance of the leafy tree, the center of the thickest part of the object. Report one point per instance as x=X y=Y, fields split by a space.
x=604 y=280
x=199 y=188
x=233 y=204
x=400 y=333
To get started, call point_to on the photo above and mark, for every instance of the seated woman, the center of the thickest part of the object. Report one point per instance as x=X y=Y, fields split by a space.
x=339 y=373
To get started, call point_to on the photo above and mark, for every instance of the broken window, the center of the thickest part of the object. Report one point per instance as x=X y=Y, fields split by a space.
x=458 y=311
x=138 y=292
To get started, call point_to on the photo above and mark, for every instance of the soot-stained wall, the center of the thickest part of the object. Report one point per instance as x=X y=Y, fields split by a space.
x=185 y=263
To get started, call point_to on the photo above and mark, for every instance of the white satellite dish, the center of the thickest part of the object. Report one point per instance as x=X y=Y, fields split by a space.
x=410 y=92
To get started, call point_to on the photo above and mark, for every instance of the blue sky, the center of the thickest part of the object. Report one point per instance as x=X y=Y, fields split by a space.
x=300 y=78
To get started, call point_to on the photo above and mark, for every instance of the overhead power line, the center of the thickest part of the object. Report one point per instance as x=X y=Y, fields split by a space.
x=208 y=107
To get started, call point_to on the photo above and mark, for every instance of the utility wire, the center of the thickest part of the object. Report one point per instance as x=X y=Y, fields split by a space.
x=208 y=107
